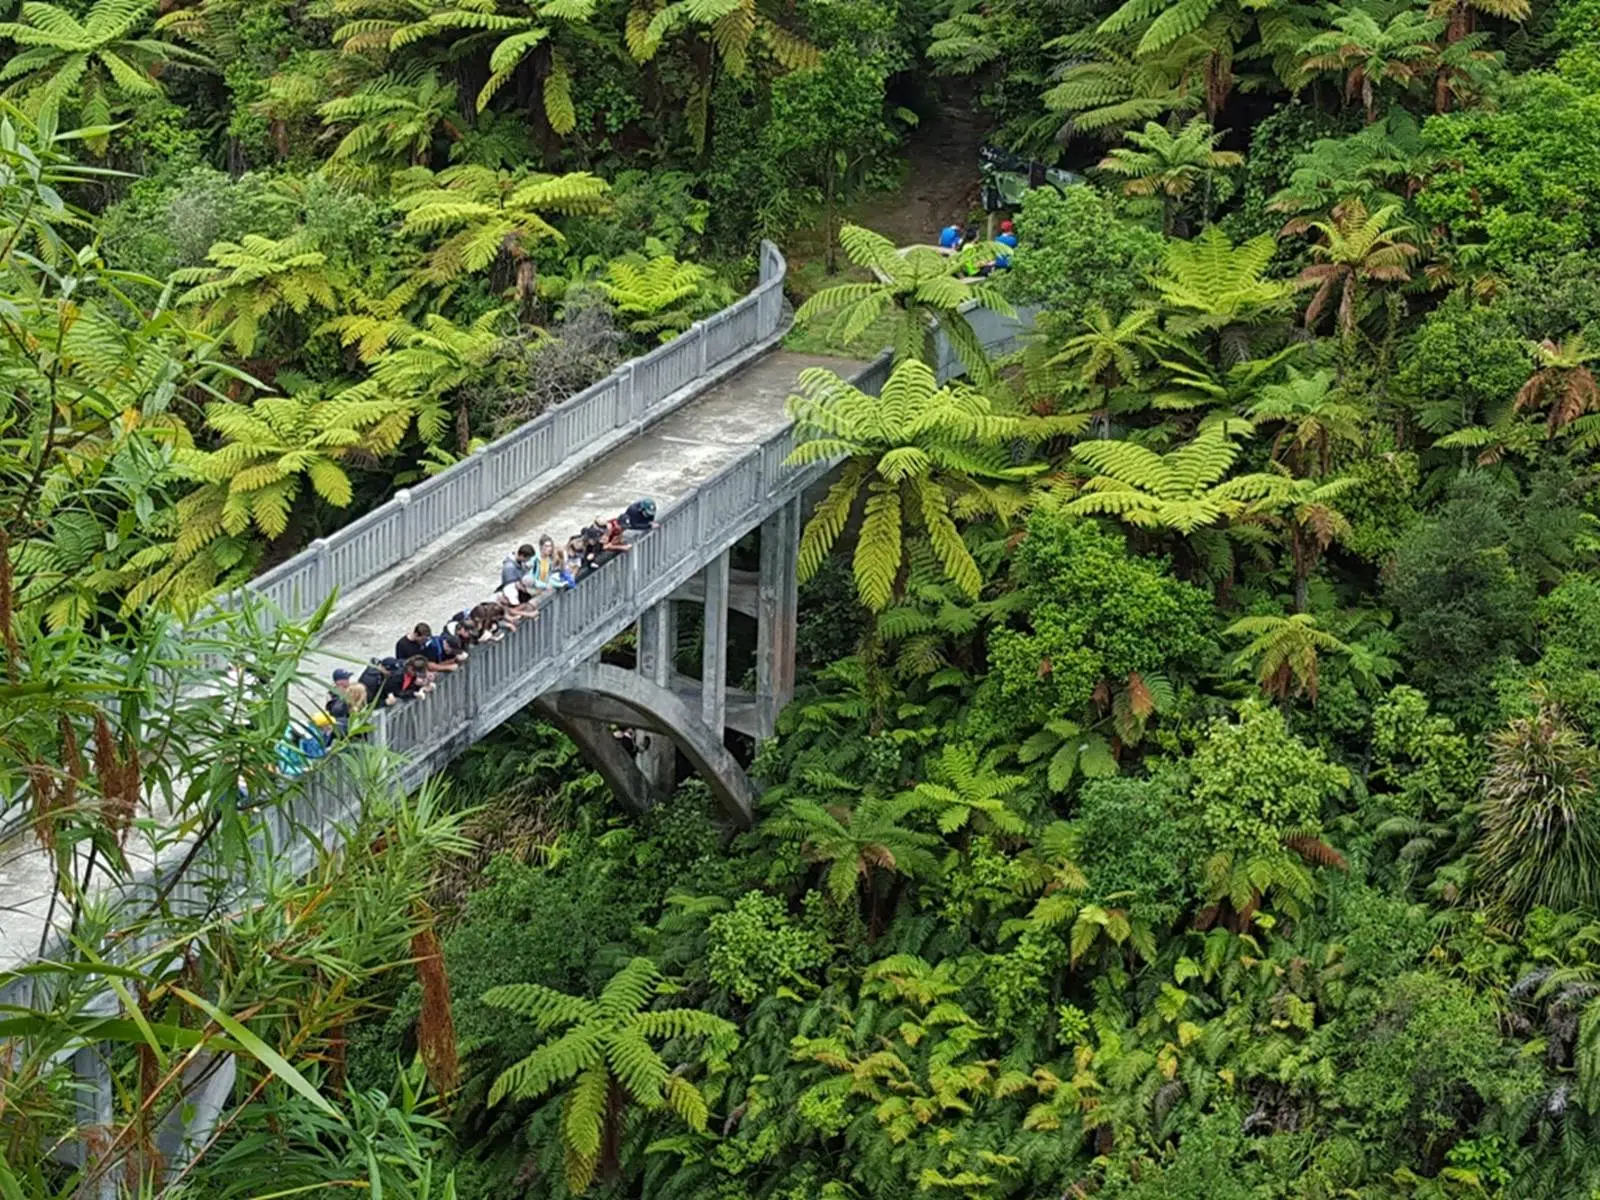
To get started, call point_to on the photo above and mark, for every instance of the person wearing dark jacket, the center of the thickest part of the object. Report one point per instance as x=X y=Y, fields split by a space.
x=381 y=680
x=639 y=515
x=444 y=652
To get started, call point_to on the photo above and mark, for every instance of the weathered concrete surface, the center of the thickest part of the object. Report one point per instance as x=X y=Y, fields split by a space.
x=699 y=742
x=667 y=462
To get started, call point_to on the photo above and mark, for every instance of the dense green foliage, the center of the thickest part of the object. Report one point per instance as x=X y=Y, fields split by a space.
x=1192 y=788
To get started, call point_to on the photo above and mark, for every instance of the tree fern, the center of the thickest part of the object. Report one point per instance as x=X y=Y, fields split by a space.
x=1209 y=284
x=254 y=278
x=1169 y=164
x=910 y=452
x=917 y=294
x=659 y=296
x=103 y=61
x=732 y=27
x=391 y=122
x=270 y=446
x=966 y=789
x=1105 y=88
x=1184 y=490
x=1285 y=653
x=482 y=214
x=607 y=1057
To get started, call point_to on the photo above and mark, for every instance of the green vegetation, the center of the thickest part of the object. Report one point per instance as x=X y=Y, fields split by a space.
x=1192 y=788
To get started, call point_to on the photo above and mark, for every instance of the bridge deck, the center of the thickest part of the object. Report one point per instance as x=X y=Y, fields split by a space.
x=668 y=462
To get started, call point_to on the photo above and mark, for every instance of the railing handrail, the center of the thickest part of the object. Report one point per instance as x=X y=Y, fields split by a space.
x=300 y=583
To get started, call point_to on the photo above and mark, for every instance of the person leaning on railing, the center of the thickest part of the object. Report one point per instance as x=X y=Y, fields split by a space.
x=525 y=575
x=516 y=592
x=442 y=651
x=549 y=571
x=639 y=516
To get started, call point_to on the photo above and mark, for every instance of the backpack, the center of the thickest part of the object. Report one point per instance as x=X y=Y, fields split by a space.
x=438 y=648
x=383 y=678
x=373 y=679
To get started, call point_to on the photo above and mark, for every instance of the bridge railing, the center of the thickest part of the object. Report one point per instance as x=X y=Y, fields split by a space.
x=640 y=388
x=504 y=677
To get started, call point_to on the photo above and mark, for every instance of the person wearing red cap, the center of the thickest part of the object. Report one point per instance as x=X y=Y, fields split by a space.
x=1008 y=239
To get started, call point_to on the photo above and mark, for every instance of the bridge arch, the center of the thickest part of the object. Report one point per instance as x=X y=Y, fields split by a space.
x=604 y=753
x=659 y=708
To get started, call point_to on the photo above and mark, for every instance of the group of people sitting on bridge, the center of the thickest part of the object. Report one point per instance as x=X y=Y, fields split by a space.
x=529 y=577
x=953 y=239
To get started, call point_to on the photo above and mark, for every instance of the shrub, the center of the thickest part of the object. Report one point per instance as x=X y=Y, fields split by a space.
x=1076 y=250
x=1094 y=612
x=1425 y=1062
x=756 y=948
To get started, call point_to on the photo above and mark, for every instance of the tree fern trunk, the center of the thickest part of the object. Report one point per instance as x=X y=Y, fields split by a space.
x=611 y=1136
x=830 y=255
x=1302 y=568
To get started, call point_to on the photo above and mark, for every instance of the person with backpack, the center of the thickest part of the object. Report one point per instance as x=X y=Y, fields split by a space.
x=639 y=516
x=383 y=680
x=515 y=592
x=442 y=655
x=444 y=652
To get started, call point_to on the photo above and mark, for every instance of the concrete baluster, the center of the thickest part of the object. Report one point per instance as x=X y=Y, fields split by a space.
x=407 y=522
x=625 y=401
x=322 y=573
x=94 y=1104
x=699 y=331
x=207 y=1084
x=484 y=469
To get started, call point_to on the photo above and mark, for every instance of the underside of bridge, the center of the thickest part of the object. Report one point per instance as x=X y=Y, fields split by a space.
x=670 y=712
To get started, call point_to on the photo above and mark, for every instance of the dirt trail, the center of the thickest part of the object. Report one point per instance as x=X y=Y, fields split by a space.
x=941 y=183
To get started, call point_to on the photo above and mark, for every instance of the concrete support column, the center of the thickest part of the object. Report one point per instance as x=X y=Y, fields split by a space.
x=207 y=1093
x=94 y=1104
x=658 y=642
x=778 y=612
x=714 y=647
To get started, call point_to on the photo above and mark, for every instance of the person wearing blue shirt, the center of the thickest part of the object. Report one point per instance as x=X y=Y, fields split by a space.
x=1007 y=238
x=950 y=238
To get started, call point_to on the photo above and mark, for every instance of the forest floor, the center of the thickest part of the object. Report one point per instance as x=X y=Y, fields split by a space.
x=941 y=181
